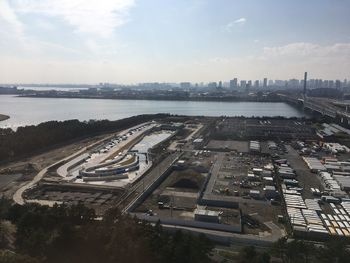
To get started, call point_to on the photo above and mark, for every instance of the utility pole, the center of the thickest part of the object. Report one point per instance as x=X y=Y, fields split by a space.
x=171 y=206
x=305 y=80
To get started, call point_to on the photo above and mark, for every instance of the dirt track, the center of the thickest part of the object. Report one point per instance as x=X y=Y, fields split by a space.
x=39 y=162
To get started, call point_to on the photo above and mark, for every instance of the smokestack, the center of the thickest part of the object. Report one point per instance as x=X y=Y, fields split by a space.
x=305 y=79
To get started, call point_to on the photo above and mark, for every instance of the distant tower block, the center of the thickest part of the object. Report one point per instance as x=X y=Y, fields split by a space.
x=305 y=80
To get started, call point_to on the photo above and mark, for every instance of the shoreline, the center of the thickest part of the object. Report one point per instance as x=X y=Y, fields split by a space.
x=154 y=98
x=4 y=117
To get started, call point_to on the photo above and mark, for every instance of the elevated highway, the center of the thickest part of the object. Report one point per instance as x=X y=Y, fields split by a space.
x=324 y=107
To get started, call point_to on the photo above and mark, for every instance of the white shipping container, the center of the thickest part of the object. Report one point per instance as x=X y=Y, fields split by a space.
x=339 y=232
x=327 y=223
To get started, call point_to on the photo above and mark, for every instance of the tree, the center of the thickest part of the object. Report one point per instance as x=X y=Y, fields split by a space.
x=248 y=254
x=6 y=234
x=335 y=250
x=10 y=257
x=294 y=251
x=264 y=258
x=72 y=234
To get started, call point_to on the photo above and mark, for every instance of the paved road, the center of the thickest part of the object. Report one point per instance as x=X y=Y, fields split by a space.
x=189 y=138
x=18 y=196
x=214 y=172
x=305 y=177
x=63 y=170
x=236 y=239
x=145 y=183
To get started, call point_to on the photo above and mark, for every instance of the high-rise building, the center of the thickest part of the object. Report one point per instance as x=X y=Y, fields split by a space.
x=312 y=83
x=294 y=83
x=185 y=85
x=232 y=86
x=212 y=85
x=317 y=83
x=249 y=83
x=220 y=84
x=337 y=84
x=265 y=83
x=233 y=83
x=280 y=83
x=325 y=84
x=243 y=84
x=256 y=84
x=305 y=80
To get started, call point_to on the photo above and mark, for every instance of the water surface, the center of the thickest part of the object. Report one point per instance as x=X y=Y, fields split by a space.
x=28 y=111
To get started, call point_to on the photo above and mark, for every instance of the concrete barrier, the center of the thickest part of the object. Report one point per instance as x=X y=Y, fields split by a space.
x=189 y=223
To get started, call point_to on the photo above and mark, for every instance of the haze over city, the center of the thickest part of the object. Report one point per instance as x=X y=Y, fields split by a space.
x=132 y=41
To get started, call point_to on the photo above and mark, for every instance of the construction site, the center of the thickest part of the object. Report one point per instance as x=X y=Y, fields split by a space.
x=210 y=175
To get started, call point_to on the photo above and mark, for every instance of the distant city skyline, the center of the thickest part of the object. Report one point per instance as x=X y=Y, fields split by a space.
x=231 y=84
x=136 y=41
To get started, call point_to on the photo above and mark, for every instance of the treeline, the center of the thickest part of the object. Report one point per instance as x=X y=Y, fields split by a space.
x=72 y=234
x=298 y=251
x=29 y=139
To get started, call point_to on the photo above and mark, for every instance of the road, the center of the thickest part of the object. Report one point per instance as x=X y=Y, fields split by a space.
x=214 y=172
x=189 y=138
x=146 y=182
x=18 y=196
x=263 y=240
x=63 y=170
x=306 y=178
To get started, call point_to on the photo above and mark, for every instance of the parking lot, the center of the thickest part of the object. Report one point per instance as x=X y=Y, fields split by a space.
x=264 y=129
x=236 y=174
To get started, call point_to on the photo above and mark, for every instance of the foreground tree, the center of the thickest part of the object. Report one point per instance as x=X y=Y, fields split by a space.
x=250 y=255
x=334 y=250
x=72 y=234
x=294 y=251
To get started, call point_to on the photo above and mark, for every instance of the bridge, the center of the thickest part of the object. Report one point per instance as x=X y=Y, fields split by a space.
x=324 y=107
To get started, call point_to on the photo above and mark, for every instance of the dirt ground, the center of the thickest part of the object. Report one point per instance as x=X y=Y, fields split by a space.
x=260 y=213
x=234 y=169
x=27 y=168
x=239 y=146
x=180 y=190
x=99 y=200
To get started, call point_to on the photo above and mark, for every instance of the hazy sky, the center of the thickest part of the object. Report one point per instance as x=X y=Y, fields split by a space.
x=131 y=41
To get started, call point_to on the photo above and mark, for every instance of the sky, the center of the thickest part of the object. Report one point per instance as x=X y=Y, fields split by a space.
x=133 y=41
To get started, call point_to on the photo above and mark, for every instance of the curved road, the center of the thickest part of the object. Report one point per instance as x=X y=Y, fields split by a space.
x=236 y=238
x=18 y=196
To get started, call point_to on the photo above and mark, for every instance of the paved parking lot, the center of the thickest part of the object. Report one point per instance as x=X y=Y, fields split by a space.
x=306 y=178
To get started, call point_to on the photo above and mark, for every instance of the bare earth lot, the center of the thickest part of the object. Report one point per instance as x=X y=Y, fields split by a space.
x=27 y=168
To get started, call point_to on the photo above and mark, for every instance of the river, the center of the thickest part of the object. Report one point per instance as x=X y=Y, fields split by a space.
x=28 y=111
